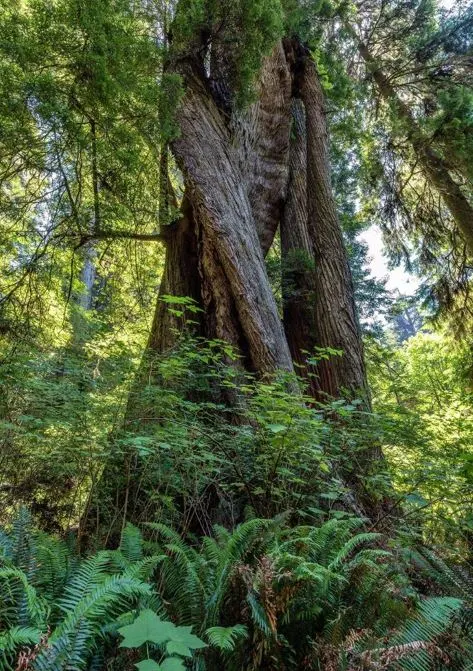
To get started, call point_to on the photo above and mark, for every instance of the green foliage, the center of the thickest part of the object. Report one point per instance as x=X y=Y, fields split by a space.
x=226 y=638
x=266 y=593
x=246 y=529
x=268 y=450
x=68 y=608
x=288 y=587
x=245 y=30
x=149 y=628
x=420 y=48
x=422 y=389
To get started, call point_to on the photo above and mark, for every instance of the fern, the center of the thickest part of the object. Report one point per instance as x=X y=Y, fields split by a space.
x=433 y=618
x=283 y=587
x=226 y=638
x=22 y=541
x=131 y=543
x=20 y=605
x=13 y=639
x=76 y=638
x=89 y=597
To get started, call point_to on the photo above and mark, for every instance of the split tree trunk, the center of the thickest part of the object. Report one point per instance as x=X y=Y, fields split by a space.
x=236 y=292
x=240 y=183
x=235 y=175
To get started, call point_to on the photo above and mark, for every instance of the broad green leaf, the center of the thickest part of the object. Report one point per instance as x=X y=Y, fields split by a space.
x=178 y=648
x=148 y=665
x=276 y=428
x=172 y=664
x=184 y=636
x=147 y=627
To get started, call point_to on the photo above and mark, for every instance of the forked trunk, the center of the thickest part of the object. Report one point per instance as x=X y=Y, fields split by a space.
x=237 y=296
x=241 y=181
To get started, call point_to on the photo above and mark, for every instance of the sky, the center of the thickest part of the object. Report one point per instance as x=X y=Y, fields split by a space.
x=397 y=278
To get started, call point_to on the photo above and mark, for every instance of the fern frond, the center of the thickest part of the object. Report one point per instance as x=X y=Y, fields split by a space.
x=20 y=604
x=14 y=639
x=76 y=639
x=54 y=562
x=91 y=573
x=226 y=638
x=351 y=545
x=131 y=543
x=22 y=540
x=258 y=615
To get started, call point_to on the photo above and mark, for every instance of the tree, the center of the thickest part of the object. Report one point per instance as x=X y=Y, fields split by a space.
x=236 y=158
x=235 y=166
x=434 y=166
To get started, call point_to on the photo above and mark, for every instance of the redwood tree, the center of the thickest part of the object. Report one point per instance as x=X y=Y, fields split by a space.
x=248 y=169
x=250 y=166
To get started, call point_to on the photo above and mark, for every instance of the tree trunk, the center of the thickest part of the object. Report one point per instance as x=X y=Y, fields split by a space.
x=262 y=134
x=237 y=296
x=297 y=257
x=333 y=321
x=236 y=173
x=433 y=165
x=180 y=278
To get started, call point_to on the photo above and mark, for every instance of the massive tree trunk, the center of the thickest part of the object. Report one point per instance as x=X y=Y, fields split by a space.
x=241 y=181
x=236 y=292
x=433 y=165
x=335 y=313
x=241 y=184
x=324 y=298
x=297 y=257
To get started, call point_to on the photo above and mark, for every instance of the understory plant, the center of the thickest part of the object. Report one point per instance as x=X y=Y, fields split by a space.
x=60 y=612
x=328 y=595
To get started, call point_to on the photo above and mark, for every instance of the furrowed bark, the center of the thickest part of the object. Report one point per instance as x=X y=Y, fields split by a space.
x=180 y=278
x=335 y=313
x=330 y=308
x=262 y=135
x=236 y=288
x=215 y=254
x=433 y=165
x=297 y=257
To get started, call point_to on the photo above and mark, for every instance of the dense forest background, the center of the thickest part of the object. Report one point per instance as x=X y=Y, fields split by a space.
x=224 y=443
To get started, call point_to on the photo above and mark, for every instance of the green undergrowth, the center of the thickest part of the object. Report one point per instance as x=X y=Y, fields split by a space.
x=264 y=596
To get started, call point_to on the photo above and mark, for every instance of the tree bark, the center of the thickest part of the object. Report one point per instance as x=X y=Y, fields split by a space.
x=214 y=254
x=236 y=292
x=297 y=257
x=335 y=313
x=262 y=135
x=180 y=278
x=433 y=165
x=332 y=319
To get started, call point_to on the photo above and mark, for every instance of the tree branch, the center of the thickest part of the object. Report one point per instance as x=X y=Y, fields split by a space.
x=120 y=235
